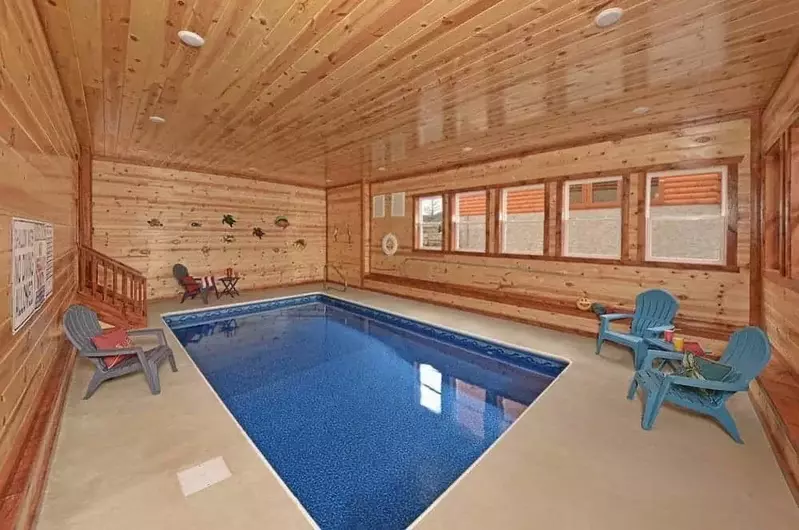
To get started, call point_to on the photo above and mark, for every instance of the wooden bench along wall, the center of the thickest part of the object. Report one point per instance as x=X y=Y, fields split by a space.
x=38 y=164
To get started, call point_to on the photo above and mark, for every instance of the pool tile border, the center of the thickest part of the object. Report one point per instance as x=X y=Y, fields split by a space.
x=526 y=359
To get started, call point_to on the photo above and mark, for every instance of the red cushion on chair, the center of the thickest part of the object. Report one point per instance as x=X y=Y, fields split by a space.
x=190 y=284
x=113 y=339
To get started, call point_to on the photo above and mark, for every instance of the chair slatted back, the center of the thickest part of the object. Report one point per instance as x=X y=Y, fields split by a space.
x=655 y=307
x=81 y=326
x=748 y=351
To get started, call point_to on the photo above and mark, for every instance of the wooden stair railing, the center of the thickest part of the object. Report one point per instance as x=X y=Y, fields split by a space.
x=114 y=290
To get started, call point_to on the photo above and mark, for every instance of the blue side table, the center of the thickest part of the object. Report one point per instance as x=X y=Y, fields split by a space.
x=660 y=344
x=664 y=345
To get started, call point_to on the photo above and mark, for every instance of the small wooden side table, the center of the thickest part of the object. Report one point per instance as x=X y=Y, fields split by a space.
x=229 y=283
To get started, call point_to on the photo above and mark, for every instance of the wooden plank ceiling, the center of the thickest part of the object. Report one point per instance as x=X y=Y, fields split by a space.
x=327 y=92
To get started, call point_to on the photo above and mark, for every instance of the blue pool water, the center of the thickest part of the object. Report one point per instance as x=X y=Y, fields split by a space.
x=367 y=417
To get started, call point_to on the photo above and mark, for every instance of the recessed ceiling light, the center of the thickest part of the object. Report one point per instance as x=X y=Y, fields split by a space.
x=381 y=168
x=157 y=119
x=467 y=149
x=641 y=110
x=608 y=17
x=190 y=38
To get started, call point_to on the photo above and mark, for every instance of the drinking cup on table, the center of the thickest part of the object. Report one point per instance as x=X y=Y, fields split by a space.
x=668 y=335
x=679 y=343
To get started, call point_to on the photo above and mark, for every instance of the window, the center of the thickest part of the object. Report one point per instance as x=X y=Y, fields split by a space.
x=398 y=204
x=686 y=216
x=592 y=218
x=469 y=218
x=792 y=202
x=521 y=220
x=379 y=206
x=429 y=222
x=773 y=254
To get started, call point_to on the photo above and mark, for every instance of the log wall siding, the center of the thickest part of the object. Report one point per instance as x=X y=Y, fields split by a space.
x=713 y=302
x=344 y=233
x=777 y=395
x=126 y=197
x=38 y=164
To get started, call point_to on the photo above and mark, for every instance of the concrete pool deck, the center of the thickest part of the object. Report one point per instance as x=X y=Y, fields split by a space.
x=578 y=459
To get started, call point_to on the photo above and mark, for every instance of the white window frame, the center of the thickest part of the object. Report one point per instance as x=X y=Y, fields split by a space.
x=676 y=173
x=456 y=219
x=565 y=218
x=503 y=218
x=420 y=224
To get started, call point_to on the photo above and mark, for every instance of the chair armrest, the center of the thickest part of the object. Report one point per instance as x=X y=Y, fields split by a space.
x=651 y=355
x=116 y=351
x=706 y=384
x=158 y=332
x=616 y=316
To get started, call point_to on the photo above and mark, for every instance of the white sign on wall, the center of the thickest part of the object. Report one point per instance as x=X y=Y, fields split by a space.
x=31 y=268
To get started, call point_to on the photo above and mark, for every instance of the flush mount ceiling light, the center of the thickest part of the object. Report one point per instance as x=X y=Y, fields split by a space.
x=640 y=110
x=381 y=168
x=467 y=149
x=608 y=17
x=189 y=38
x=157 y=119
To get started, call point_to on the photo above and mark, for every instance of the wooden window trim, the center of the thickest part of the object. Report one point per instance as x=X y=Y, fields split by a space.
x=781 y=257
x=417 y=223
x=553 y=246
x=729 y=212
x=624 y=193
x=776 y=230
x=453 y=201
x=792 y=198
x=564 y=211
x=501 y=225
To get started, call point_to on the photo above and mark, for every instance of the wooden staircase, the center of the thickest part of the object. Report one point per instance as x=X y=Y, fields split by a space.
x=116 y=292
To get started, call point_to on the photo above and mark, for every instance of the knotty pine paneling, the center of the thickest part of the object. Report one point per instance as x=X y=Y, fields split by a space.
x=127 y=196
x=777 y=395
x=38 y=164
x=713 y=302
x=781 y=305
x=344 y=237
x=781 y=298
x=307 y=91
x=782 y=110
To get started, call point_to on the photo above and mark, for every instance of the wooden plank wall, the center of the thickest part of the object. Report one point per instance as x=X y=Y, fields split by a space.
x=344 y=232
x=783 y=107
x=128 y=197
x=38 y=164
x=777 y=396
x=713 y=302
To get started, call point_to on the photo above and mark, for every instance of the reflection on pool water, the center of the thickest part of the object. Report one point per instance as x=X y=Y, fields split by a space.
x=367 y=417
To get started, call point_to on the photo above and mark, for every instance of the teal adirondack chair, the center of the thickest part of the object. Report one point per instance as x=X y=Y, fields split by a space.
x=654 y=313
x=747 y=353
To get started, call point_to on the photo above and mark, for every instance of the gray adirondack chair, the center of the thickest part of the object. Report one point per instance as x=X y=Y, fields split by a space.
x=81 y=325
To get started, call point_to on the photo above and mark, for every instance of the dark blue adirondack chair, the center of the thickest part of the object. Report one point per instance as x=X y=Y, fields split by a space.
x=747 y=353
x=654 y=313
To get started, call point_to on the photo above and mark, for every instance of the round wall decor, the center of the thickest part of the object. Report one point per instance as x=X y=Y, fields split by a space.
x=389 y=244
